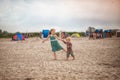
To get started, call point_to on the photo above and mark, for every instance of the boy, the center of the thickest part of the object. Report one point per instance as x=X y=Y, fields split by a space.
x=69 y=48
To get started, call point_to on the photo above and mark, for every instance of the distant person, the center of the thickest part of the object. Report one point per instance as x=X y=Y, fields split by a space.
x=54 y=42
x=90 y=36
x=23 y=37
x=15 y=38
x=69 y=48
x=40 y=35
x=64 y=35
x=94 y=35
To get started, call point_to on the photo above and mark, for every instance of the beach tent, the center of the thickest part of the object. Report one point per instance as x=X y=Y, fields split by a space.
x=18 y=36
x=99 y=30
x=98 y=33
x=107 y=33
x=75 y=35
x=118 y=34
x=45 y=33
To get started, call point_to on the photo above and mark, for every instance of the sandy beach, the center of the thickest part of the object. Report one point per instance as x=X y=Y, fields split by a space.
x=33 y=60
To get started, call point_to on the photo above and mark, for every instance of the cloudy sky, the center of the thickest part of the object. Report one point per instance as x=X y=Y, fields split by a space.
x=65 y=15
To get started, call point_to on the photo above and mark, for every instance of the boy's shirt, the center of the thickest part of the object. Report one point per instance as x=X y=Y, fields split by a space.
x=69 y=46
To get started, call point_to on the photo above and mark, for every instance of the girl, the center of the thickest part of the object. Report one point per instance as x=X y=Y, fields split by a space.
x=54 y=43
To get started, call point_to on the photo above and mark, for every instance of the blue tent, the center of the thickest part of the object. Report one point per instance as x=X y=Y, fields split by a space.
x=45 y=33
x=98 y=30
x=19 y=36
x=107 y=31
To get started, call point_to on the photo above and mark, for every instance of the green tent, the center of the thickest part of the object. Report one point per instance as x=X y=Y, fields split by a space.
x=75 y=35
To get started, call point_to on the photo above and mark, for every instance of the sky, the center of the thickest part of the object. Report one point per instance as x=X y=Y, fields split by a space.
x=63 y=15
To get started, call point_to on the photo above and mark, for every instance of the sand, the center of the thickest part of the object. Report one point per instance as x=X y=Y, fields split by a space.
x=33 y=60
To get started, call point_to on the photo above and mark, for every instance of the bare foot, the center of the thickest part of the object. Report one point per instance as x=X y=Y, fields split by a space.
x=73 y=59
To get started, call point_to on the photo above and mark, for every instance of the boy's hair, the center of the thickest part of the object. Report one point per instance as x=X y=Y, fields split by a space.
x=68 y=38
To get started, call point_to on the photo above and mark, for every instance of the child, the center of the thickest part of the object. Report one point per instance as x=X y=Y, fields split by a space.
x=54 y=42
x=69 y=48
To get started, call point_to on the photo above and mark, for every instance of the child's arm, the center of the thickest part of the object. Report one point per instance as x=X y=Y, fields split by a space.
x=64 y=41
x=60 y=39
x=46 y=39
x=57 y=37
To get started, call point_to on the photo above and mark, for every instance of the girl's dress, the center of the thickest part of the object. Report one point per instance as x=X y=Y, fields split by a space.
x=55 y=44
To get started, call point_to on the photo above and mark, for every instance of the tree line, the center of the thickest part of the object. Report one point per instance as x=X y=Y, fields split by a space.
x=6 y=34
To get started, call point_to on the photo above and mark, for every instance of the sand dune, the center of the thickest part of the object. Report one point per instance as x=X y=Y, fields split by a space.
x=33 y=60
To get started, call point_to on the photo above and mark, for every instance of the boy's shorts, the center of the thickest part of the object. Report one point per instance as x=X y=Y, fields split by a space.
x=70 y=53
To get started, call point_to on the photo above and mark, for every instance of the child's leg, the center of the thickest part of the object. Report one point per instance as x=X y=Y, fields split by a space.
x=68 y=54
x=54 y=56
x=72 y=55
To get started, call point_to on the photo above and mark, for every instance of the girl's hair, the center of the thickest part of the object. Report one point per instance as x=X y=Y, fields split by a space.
x=51 y=31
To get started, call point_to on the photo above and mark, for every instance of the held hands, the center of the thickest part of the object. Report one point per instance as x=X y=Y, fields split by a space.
x=61 y=39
